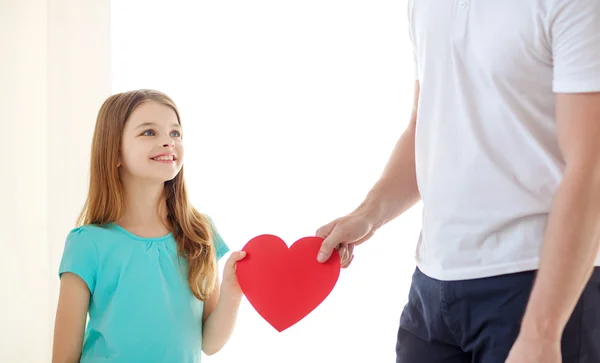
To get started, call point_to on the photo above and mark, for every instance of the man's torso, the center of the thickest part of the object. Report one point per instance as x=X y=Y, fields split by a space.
x=487 y=157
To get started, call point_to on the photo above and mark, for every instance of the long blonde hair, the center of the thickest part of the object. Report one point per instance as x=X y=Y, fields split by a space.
x=106 y=196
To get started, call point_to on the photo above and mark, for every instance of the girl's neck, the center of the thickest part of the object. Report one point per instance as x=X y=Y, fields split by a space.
x=146 y=213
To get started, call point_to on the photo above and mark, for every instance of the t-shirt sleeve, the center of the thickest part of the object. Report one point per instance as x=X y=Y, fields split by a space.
x=221 y=247
x=80 y=257
x=411 y=35
x=575 y=40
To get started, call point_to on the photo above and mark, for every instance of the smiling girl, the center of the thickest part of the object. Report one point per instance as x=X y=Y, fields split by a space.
x=143 y=261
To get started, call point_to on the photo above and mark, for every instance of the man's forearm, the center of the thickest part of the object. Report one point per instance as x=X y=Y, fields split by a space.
x=396 y=191
x=571 y=245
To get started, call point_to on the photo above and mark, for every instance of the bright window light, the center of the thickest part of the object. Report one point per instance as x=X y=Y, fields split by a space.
x=290 y=110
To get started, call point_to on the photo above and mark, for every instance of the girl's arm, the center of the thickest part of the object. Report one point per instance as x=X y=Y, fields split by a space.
x=71 y=317
x=220 y=310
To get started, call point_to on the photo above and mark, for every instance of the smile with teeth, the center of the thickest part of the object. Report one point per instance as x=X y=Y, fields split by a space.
x=164 y=158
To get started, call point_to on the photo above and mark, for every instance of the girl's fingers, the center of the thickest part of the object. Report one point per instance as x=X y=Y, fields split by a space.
x=235 y=257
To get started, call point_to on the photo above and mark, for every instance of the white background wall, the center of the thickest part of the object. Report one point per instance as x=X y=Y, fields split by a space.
x=54 y=74
x=290 y=110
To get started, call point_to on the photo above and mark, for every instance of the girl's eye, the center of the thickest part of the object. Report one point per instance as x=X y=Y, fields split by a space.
x=148 y=133
x=175 y=133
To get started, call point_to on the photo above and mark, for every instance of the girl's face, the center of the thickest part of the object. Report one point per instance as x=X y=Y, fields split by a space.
x=151 y=147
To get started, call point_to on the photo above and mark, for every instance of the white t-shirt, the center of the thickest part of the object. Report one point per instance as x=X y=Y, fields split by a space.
x=487 y=157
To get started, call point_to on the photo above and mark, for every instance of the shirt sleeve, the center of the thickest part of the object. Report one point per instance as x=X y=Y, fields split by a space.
x=575 y=41
x=221 y=247
x=412 y=40
x=80 y=257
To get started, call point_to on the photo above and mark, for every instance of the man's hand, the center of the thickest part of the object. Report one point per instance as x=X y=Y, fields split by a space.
x=344 y=233
x=394 y=193
x=346 y=252
x=534 y=350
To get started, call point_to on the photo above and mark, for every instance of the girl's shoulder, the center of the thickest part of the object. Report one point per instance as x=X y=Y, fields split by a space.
x=219 y=243
x=89 y=229
x=89 y=233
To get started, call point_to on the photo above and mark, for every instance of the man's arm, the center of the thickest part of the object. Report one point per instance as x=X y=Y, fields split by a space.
x=396 y=190
x=572 y=240
x=394 y=193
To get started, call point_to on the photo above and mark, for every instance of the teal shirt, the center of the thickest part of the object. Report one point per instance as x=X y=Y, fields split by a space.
x=141 y=307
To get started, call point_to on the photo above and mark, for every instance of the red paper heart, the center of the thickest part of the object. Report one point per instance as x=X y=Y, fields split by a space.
x=284 y=284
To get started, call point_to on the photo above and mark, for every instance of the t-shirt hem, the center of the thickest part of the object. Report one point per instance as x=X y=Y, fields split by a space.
x=85 y=278
x=477 y=272
x=222 y=252
x=583 y=86
x=481 y=271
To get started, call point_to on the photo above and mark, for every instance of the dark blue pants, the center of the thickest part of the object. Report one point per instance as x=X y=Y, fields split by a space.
x=477 y=321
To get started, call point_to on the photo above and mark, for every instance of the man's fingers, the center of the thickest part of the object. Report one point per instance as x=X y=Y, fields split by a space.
x=347 y=263
x=346 y=255
x=343 y=252
x=330 y=242
x=324 y=231
x=350 y=247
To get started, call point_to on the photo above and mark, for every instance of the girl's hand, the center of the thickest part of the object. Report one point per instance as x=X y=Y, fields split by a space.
x=230 y=285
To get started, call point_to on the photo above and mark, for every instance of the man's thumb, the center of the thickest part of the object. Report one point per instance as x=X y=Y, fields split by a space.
x=328 y=245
